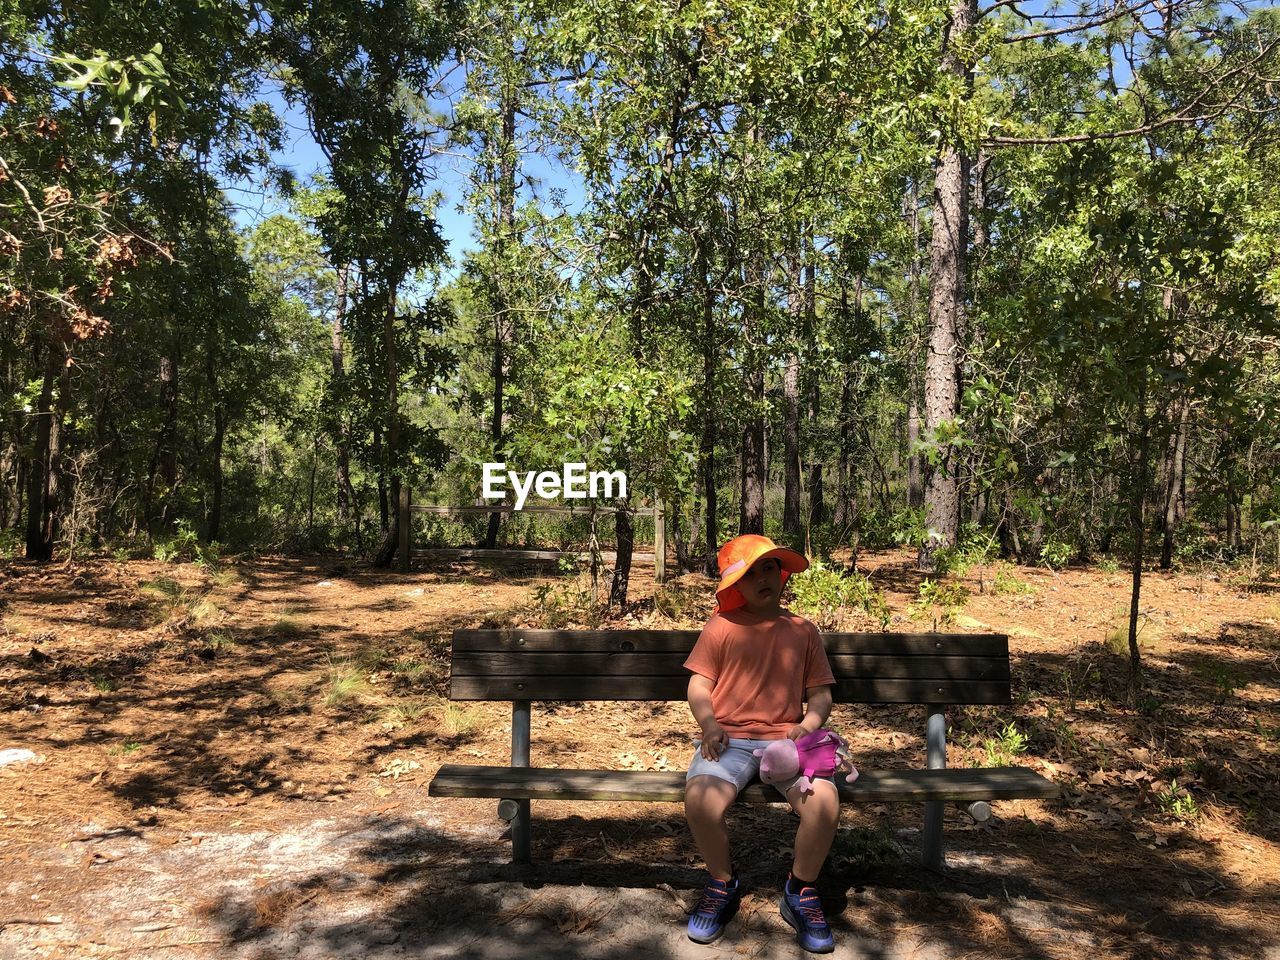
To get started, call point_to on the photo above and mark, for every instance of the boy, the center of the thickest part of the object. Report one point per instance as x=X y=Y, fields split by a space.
x=752 y=666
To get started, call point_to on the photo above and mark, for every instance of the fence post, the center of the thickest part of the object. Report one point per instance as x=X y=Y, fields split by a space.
x=404 y=518
x=659 y=542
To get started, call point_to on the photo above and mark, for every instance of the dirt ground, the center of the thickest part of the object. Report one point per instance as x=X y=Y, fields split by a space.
x=234 y=763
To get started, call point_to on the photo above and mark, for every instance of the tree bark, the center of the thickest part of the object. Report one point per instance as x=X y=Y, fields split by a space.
x=817 y=496
x=504 y=227
x=915 y=460
x=710 y=420
x=1174 y=484
x=391 y=371
x=164 y=463
x=624 y=531
x=791 y=524
x=346 y=495
x=39 y=545
x=214 y=525
x=946 y=317
x=1137 y=521
x=751 y=512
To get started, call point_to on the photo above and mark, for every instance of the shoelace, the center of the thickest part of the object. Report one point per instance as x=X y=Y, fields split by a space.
x=811 y=907
x=713 y=898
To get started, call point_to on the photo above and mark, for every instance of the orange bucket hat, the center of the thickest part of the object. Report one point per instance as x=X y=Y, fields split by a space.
x=736 y=557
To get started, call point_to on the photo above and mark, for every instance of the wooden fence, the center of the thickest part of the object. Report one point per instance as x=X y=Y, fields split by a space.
x=408 y=508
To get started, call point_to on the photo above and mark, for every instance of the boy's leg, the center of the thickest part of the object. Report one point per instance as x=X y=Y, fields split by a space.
x=819 y=814
x=706 y=799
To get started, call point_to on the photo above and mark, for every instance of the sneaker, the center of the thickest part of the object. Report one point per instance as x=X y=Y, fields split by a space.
x=803 y=910
x=717 y=907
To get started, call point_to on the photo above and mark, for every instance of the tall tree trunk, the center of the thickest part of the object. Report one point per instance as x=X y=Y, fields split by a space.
x=1138 y=528
x=624 y=531
x=346 y=495
x=791 y=523
x=391 y=371
x=1174 y=483
x=751 y=511
x=813 y=396
x=710 y=420
x=946 y=310
x=164 y=462
x=915 y=460
x=505 y=227
x=214 y=525
x=39 y=546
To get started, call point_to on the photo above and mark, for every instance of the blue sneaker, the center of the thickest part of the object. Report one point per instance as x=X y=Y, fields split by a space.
x=717 y=907
x=803 y=910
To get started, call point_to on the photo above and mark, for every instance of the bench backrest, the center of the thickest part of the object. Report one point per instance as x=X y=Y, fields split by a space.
x=513 y=664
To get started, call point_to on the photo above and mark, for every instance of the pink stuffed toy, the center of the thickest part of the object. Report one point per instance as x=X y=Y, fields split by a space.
x=818 y=754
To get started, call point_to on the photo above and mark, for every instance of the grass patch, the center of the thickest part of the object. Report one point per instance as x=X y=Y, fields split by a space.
x=285 y=627
x=1116 y=639
x=456 y=720
x=410 y=669
x=102 y=682
x=344 y=679
x=126 y=748
x=224 y=576
x=404 y=713
x=220 y=640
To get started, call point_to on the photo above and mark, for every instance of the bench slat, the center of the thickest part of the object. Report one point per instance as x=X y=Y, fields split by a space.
x=866 y=690
x=516 y=783
x=681 y=641
x=845 y=666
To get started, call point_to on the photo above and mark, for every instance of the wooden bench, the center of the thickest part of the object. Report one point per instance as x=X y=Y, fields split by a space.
x=931 y=669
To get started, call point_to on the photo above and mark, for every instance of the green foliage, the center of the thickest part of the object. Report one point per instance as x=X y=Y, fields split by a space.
x=1004 y=748
x=973 y=547
x=939 y=601
x=1006 y=582
x=1178 y=802
x=568 y=603
x=826 y=596
x=1055 y=554
x=10 y=545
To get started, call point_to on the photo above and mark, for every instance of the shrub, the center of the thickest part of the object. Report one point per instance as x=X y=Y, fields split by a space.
x=941 y=601
x=1055 y=553
x=1006 y=582
x=1003 y=749
x=826 y=596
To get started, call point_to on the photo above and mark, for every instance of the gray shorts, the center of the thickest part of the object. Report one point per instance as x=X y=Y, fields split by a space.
x=737 y=764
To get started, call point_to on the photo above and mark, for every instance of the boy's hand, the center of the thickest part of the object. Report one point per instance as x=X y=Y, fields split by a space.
x=714 y=740
x=800 y=730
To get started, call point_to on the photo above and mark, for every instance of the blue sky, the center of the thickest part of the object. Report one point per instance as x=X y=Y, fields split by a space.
x=303 y=156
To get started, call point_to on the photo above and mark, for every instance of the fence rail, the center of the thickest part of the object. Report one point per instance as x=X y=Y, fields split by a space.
x=407 y=551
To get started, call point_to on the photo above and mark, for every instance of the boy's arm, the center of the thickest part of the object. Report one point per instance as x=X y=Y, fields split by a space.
x=819 y=699
x=714 y=739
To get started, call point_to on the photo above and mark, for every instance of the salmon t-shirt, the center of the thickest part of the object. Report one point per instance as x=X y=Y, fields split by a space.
x=761 y=670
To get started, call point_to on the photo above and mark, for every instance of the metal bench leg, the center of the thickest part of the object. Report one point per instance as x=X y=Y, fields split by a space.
x=935 y=759
x=521 y=823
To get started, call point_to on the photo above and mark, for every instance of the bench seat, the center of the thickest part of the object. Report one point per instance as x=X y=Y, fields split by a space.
x=552 y=783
